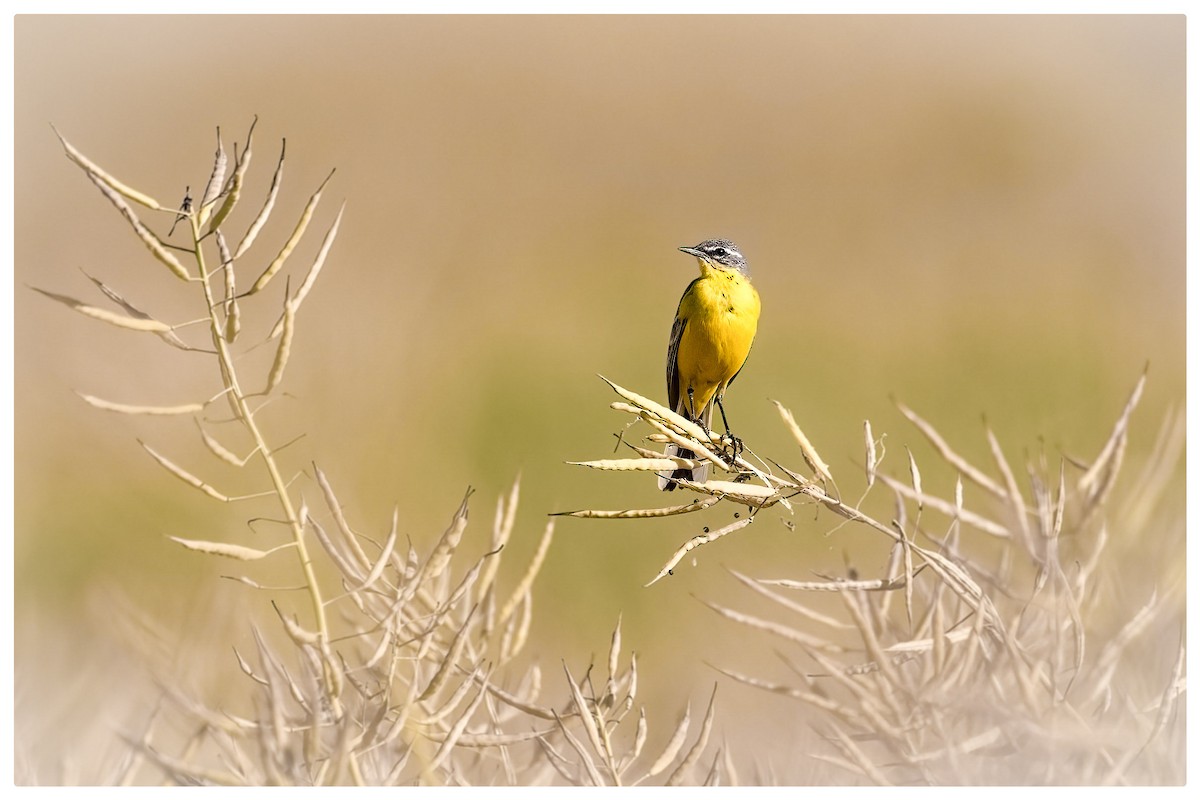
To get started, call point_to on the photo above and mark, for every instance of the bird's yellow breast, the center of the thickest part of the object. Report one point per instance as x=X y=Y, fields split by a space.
x=721 y=310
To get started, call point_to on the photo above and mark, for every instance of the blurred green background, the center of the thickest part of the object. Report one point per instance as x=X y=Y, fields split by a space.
x=976 y=215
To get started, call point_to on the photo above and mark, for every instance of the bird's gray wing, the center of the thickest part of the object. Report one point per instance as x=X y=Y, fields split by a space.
x=665 y=479
x=673 y=365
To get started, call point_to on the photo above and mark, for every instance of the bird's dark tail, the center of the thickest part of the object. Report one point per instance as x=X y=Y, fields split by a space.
x=666 y=481
x=698 y=474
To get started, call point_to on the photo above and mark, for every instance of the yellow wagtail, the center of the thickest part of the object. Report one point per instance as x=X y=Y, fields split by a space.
x=710 y=340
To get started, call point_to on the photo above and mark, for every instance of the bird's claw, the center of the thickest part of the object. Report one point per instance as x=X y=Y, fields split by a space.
x=732 y=448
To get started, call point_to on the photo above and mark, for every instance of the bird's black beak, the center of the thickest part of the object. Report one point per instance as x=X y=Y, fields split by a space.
x=691 y=251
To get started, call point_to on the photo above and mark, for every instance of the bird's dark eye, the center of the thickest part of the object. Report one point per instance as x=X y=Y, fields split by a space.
x=720 y=251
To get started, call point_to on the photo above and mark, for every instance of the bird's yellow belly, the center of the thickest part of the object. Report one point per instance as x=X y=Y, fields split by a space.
x=722 y=318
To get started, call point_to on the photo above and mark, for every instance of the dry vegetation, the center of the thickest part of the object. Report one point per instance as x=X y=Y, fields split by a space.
x=965 y=664
x=960 y=664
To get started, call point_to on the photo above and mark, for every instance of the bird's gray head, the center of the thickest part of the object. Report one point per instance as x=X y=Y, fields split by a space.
x=720 y=253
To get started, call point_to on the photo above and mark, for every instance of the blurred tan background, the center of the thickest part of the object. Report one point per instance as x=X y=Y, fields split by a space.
x=976 y=215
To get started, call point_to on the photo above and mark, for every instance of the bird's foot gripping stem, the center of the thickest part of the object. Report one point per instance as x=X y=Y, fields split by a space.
x=731 y=449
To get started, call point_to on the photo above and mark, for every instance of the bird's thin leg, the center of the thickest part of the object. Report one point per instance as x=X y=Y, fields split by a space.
x=737 y=446
x=721 y=406
x=696 y=416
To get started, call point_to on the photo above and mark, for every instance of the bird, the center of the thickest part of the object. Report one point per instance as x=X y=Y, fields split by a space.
x=711 y=338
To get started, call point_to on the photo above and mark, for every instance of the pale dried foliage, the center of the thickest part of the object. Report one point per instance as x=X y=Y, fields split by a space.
x=402 y=669
x=433 y=691
x=1002 y=645
x=960 y=664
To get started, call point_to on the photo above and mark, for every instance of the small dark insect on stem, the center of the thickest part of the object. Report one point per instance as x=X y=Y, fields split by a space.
x=185 y=208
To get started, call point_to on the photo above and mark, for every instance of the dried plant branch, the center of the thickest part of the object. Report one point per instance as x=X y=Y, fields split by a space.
x=981 y=655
